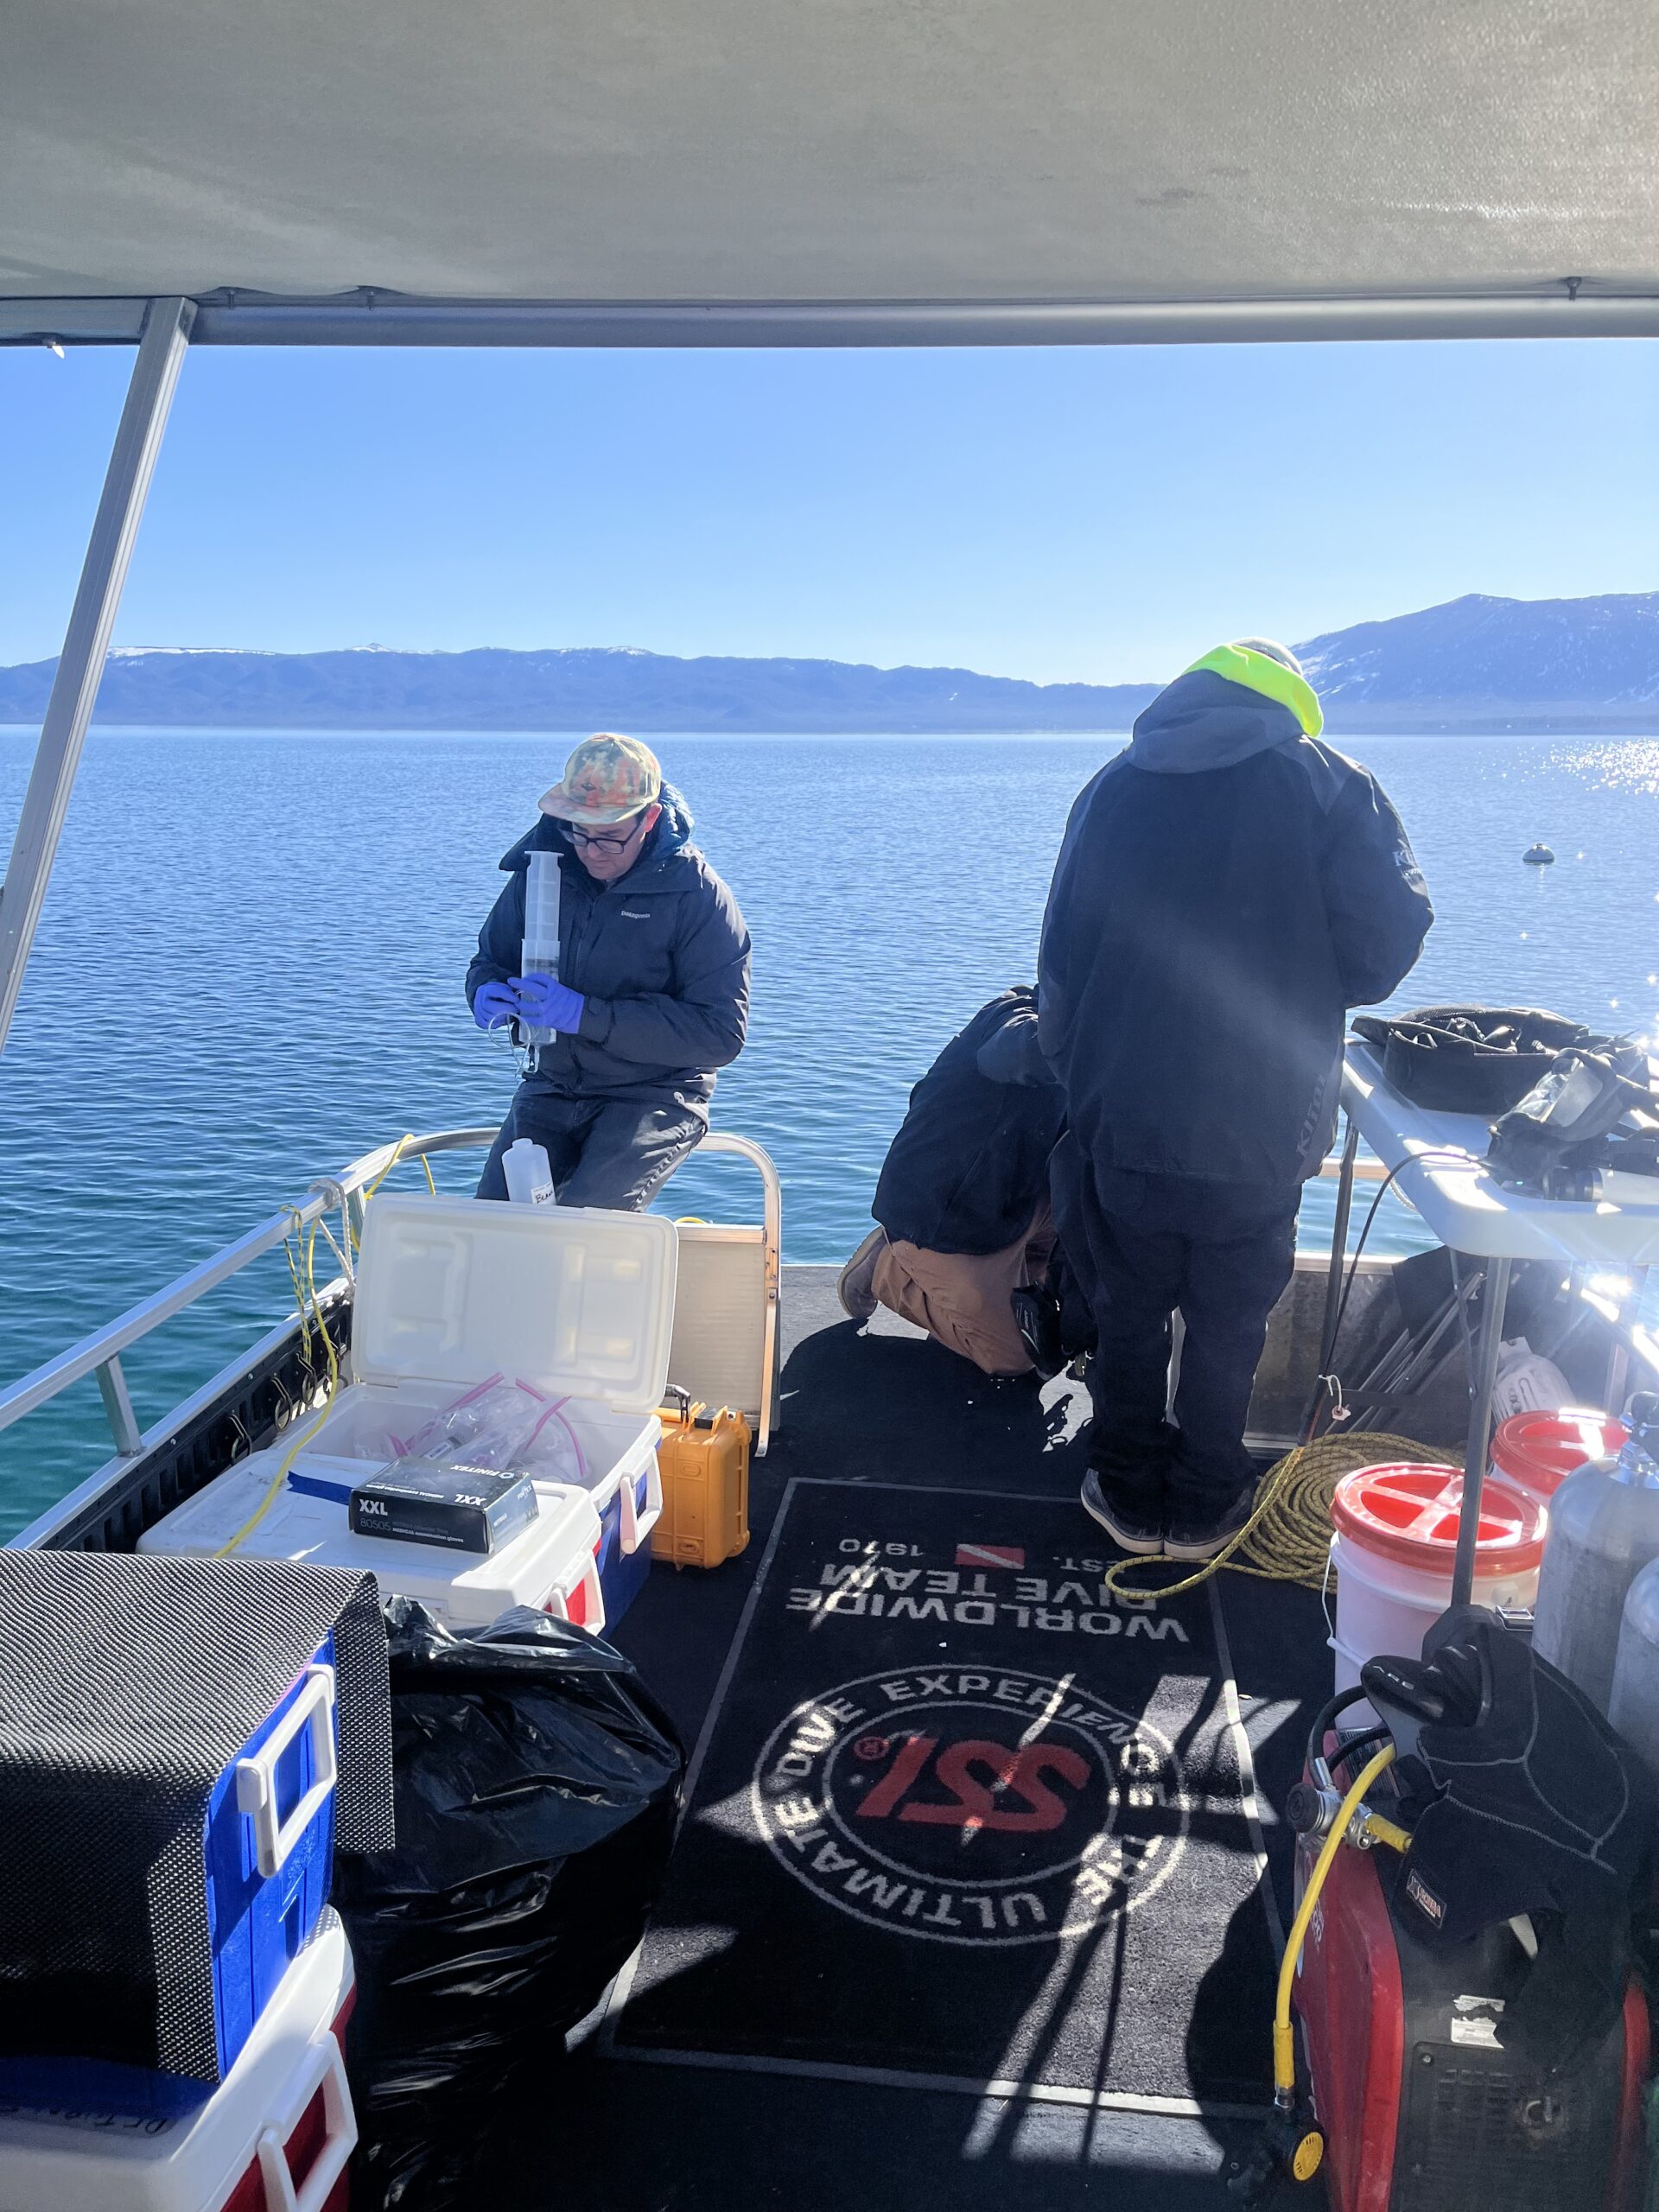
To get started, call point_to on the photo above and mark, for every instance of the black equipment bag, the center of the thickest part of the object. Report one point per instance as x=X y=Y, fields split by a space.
x=1523 y=1804
x=1468 y=1059
x=1593 y=1106
x=1053 y=1318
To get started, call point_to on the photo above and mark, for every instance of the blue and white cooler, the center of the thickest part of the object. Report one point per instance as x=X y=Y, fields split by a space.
x=276 y=2135
x=182 y=1743
x=572 y=1307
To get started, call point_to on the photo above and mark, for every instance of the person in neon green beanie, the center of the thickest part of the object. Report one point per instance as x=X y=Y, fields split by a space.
x=1229 y=887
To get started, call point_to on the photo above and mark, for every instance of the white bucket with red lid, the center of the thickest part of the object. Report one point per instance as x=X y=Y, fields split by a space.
x=1539 y=1450
x=1395 y=1542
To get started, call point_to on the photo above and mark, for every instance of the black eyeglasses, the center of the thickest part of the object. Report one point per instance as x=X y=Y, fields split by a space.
x=611 y=844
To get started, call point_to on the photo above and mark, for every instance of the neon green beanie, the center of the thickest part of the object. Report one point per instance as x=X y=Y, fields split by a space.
x=1274 y=679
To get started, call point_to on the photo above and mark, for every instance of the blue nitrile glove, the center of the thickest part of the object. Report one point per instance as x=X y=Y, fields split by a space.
x=546 y=1003
x=493 y=1005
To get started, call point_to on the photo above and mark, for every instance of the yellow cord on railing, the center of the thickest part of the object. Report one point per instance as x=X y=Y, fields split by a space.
x=311 y=1316
x=408 y=1137
x=396 y=1155
x=1284 y=2034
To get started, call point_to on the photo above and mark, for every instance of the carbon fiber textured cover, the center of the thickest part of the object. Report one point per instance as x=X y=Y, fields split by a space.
x=127 y=1685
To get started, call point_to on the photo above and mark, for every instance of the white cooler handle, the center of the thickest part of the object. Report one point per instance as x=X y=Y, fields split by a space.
x=636 y=1523
x=559 y=1605
x=325 y=2069
x=256 y=1778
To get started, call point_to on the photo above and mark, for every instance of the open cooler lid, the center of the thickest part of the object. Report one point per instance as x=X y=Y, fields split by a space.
x=580 y=1303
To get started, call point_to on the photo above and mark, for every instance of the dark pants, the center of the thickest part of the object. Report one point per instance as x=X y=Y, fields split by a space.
x=603 y=1151
x=1144 y=1247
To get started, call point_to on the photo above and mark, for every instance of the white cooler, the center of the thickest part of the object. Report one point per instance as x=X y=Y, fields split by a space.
x=450 y=1291
x=275 y=2136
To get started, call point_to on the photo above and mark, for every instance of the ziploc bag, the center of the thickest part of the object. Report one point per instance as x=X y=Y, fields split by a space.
x=503 y=1426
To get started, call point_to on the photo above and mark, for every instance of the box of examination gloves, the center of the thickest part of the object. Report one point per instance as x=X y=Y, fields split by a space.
x=430 y=1502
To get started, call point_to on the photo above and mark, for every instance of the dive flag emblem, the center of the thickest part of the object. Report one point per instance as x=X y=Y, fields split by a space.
x=991 y=1555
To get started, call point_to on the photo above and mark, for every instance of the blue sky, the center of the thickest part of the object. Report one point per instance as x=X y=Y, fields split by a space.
x=1100 y=514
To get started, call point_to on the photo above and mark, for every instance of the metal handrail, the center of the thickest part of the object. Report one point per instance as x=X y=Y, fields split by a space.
x=102 y=1350
x=772 y=1239
x=1365 y=1171
x=100 y=1353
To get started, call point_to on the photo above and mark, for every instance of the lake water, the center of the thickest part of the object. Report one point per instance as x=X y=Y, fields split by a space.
x=249 y=972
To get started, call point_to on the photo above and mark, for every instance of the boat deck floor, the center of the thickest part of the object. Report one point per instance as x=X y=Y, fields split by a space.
x=735 y=2124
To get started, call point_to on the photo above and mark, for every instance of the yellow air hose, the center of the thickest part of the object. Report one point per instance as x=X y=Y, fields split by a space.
x=1284 y=2035
x=1288 y=1537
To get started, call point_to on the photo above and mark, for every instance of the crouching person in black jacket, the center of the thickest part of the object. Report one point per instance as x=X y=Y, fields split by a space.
x=963 y=1199
x=1227 y=888
x=652 y=991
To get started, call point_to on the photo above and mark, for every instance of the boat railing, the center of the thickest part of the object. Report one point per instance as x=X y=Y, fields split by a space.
x=99 y=1354
x=273 y=1366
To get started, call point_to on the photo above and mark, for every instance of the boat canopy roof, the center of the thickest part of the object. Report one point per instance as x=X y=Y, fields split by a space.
x=868 y=170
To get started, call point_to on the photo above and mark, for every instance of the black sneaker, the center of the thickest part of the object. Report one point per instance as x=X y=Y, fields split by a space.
x=858 y=1300
x=1131 y=1531
x=1201 y=1537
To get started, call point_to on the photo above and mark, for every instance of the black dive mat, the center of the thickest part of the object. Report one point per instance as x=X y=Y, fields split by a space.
x=961 y=1815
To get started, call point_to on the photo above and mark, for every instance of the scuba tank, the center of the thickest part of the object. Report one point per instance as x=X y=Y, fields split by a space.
x=1604 y=1530
x=1634 y=1711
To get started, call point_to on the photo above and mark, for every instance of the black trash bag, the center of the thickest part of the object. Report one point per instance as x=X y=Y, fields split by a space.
x=537 y=1782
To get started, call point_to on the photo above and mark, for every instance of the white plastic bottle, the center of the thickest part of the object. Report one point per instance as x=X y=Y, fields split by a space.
x=1604 y=1530
x=528 y=1173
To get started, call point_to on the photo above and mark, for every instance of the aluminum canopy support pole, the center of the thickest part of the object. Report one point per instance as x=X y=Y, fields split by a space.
x=1338 y=1244
x=86 y=641
x=1488 y=1343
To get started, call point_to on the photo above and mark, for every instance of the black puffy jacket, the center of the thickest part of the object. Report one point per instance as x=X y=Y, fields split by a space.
x=662 y=958
x=970 y=1164
x=1226 y=889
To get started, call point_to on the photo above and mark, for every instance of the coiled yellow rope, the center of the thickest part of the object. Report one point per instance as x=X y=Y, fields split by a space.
x=1288 y=1537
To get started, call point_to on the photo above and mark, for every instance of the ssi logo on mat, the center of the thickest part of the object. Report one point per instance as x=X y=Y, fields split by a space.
x=971 y=1805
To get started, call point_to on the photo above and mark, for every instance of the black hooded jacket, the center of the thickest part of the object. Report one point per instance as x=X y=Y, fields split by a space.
x=1226 y=889
x=969 y=1167
x=661 y=957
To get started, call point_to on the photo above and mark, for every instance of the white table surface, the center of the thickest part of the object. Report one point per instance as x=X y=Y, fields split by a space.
x=1462 y=1204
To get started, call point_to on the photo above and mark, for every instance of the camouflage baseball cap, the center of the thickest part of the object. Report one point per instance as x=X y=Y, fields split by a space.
x=607 y=778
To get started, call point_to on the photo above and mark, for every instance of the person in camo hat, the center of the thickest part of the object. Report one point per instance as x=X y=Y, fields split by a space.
x=653 y=993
